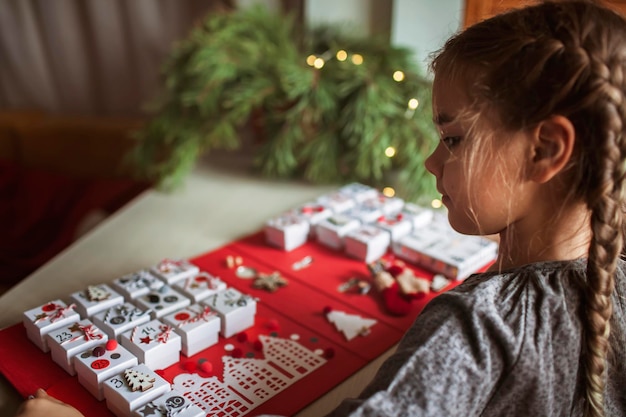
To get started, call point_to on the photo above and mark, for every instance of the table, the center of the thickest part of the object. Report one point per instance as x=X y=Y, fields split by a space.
x=220 y=201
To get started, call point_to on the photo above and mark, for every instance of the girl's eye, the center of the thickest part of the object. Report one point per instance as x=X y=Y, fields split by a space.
x=451 y=141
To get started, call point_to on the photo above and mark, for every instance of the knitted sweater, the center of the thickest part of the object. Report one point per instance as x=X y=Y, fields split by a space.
x=500 y=344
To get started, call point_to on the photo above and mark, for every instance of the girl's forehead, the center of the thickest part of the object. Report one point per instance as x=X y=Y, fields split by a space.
x=449 y=99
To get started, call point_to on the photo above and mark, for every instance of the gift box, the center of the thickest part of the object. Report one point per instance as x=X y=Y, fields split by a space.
x=133 y=388
x=68 y=341
x=396 y=225
x=172 y=403
x=200 y=286
x=367 y=243
x=94 y=366
x=163 y=301
x=337 y=202
x=120 y=318
x=287 y=231
x=236 y=310
x=313 y=213
x=48 y=317
x=440 y=249
x=171 y=270
x=365 y=213
x=330 y=232
x=358 y=192
x=197 y=325
x=137 y=283
x=154 y=343
x=388 y=205
x=95 y=298
x=417 y=215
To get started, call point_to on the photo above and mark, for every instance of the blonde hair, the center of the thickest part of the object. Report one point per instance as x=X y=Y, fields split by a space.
x=562 y=58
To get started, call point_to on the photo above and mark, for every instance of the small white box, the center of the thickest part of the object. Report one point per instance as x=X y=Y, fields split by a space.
x=359 y=192
x=397 y=226
x=95 y=298
x=42 y=320
x=236 y=310
x=137 y=283
x=171 y=403
x=197 y=325
x=94 y=366
x=337 y=201
x=68 y=341
x=154 y=343
x=313 y=213
x=440 y=249
x=365 y=213
x=388 y=205
x=200 y=286
x=163 y=301
x=330 y=232
x=368 y=243
x=287 y=231
x=133 y=388
x=170 y=270
x=120 y=318
x=418 y=216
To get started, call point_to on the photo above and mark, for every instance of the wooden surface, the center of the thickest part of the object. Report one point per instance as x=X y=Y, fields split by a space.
x=477 y=10
x=218 y=203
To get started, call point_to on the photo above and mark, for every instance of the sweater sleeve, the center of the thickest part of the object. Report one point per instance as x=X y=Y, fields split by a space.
x=448 y=363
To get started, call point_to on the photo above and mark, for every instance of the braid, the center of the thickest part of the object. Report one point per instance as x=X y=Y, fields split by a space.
x=606 y=224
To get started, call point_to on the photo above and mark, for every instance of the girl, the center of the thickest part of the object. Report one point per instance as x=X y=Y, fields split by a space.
x=531 y=109
x=532 y=114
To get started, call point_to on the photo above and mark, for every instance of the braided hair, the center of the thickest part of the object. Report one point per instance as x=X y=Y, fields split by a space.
x=562 y=58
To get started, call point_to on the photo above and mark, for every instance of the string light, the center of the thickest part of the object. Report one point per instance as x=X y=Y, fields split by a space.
x=357 y=59
x=413 y=103
x=310 y=60
x=390 y=152
x=318 y=63
x=436 y=203
x=389 y=192
x=341 y=55
x=398 y=76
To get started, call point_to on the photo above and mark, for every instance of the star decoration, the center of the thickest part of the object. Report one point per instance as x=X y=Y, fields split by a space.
x=75 y=328
x=269 y=282
x=149 y=410
x=146 y=340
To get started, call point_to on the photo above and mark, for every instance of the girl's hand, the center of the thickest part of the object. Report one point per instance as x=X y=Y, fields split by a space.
x=43 y=405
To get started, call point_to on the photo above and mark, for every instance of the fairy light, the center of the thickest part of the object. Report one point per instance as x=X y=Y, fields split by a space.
x=436 y=203
x=310 y=60
x=341 y=55
x=318 y=63
x=413 y=103
x=389 y=192
x=398 y=76
x=390 y=152
x=357 y=59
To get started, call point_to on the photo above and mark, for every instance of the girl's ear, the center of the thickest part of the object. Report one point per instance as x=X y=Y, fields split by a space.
x=553 y=145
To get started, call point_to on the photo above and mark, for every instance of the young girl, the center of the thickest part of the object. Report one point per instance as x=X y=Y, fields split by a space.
x=532 y=113
x=531 y=109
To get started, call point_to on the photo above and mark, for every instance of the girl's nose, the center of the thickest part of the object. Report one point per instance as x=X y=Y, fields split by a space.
x=433 y=162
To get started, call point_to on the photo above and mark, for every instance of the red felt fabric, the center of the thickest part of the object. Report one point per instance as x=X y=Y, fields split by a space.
x=40 y=212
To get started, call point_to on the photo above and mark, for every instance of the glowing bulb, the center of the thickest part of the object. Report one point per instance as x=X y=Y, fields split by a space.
x=436 y=203
x=319 y=63
x=413 y=103
x=357 y=59
x=389 y=192
x=310 y=60
x=390 y=152
x=398 y=76
x=342 y=55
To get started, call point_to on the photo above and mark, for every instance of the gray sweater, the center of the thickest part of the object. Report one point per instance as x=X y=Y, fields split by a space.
x=500 y=344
